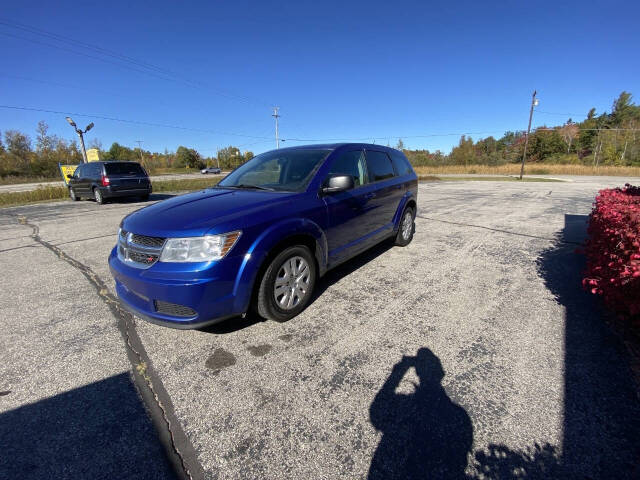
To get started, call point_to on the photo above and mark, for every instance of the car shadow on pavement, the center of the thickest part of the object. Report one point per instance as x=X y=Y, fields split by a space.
x=154 y=197
x=237 y=323
x=100 y=430
x=601 y=429
x=347 y=268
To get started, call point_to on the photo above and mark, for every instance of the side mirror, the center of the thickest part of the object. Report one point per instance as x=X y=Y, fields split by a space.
x=339 y=183
x=69 y=177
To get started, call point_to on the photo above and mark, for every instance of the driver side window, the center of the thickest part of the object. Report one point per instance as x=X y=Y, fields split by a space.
x=351 y=163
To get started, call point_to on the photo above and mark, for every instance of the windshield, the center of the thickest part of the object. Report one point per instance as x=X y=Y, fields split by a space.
x=281 y=170
x=123 y=169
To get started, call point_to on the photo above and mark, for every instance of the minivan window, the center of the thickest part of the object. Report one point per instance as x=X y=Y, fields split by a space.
x=95 y=170
x=350 y=163
x=403 y=167
x=379 y=166
x=281 y=170
x=123 y=169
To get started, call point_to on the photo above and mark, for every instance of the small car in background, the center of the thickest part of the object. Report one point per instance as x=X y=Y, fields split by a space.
x=261 y=238
x=103 y=180
x=214 y=170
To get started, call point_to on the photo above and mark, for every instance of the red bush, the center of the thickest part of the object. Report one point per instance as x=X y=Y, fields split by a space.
x=613 y=251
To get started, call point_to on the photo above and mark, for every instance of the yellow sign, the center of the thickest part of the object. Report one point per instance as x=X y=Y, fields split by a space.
x=93 y=155
x=67 y=170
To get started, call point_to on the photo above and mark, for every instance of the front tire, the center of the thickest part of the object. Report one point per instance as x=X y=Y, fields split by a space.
x=72 y=195
x=287 y=284
x=97 y=194
x=406 y=228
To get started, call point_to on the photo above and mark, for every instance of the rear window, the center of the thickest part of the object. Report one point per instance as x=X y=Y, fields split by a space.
x=379 y=166
x=124 y=169
x=403 y=167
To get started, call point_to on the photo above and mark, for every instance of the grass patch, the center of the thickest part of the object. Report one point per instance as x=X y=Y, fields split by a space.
x=40 y=194
x=188 y=184
x=531 y=169
x=48 y=193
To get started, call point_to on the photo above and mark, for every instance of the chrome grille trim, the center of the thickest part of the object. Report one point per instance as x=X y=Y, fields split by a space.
x=141 y=253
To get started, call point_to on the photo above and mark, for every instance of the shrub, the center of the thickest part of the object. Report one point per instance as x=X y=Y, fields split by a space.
x=613 y=251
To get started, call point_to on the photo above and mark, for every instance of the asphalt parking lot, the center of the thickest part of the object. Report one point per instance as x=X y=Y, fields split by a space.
x=471 y=353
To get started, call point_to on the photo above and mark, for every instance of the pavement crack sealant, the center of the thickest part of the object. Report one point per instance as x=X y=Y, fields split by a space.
x=149 y=384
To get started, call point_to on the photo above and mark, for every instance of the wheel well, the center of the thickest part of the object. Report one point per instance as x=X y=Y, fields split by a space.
x=306 y=240
x=412 y=203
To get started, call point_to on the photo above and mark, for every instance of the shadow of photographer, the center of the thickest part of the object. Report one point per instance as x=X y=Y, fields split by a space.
x=424 y=434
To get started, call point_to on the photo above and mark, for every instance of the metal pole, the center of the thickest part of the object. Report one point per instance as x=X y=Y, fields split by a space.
x=276 y=116
x=139 y=142
x=526 y=140
x=84 y=151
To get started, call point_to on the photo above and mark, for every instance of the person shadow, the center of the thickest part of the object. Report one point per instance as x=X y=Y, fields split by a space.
x=424 y=433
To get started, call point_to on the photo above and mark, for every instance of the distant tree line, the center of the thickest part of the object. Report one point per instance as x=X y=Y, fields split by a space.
x=605 y=139
x=19 y=157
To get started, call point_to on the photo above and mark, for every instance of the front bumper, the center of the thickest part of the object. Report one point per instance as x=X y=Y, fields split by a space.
x=207 y=289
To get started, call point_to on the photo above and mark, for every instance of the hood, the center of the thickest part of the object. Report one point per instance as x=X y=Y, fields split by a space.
x=197 y=213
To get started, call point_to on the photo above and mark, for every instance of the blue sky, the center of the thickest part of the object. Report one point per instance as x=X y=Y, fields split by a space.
x=338 y=70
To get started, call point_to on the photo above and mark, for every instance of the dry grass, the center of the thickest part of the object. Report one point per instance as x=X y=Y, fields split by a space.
x=38 y=195
x=532 y=169
x=188 y=184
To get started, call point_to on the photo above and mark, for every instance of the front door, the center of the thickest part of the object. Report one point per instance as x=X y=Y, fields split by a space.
x=348 y=227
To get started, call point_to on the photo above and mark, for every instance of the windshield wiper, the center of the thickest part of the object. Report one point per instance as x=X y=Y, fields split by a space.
x=255 y=187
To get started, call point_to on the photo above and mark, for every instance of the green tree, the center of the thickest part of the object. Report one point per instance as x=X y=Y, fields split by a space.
x=188 y=157
x=400 y=145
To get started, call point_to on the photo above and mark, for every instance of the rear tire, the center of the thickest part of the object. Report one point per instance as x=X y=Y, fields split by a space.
x=73 y=195
x=286 y=287
x=97 y=194
x=406 y=228
x=144 y=198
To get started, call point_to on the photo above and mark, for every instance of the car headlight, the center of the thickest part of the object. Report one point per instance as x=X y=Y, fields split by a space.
x=198 y=249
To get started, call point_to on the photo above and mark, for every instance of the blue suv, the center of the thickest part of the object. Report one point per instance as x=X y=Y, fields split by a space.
x=260 y=239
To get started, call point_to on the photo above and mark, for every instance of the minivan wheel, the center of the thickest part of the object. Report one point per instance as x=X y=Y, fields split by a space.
x=73 y=195
x=406 y=228
x=98 y=196
x=287 y=284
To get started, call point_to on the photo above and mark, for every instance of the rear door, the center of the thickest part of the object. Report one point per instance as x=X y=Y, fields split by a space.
x=126 y=176
x=386 y=190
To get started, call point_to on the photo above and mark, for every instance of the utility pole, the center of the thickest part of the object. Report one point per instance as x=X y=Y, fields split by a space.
x=276 y=116
x=80 y=133
x=139 y=142
x=534 y=102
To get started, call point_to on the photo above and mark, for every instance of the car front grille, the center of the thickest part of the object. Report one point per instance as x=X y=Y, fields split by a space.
x=140 y=251
x=174 y=309
x=145 y=241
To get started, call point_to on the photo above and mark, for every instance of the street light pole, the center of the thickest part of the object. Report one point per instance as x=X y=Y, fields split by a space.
x=80 y=133
x=276 y=115
x=534 y=102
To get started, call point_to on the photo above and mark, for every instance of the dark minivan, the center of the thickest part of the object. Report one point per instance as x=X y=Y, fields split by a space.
x=102 y=180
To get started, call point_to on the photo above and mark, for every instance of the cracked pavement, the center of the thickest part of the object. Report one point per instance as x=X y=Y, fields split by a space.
x=471 y=352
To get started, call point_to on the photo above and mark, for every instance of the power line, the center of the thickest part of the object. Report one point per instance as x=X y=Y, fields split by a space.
x=136 y=122
x=386 y=137
x=143 y=66
x=563 y=114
